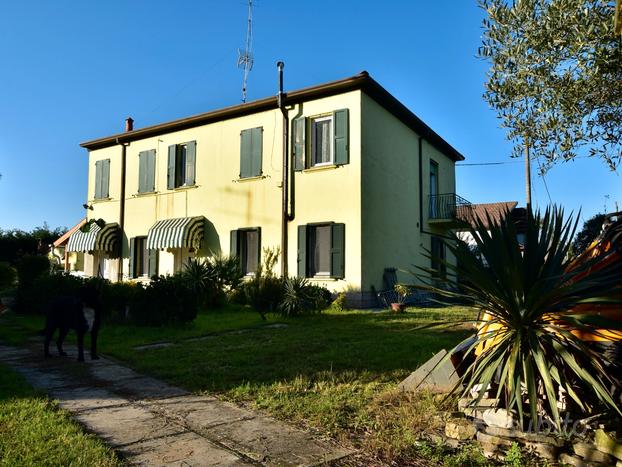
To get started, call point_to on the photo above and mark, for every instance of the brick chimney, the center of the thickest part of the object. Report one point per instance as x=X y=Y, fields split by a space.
x=129 y=124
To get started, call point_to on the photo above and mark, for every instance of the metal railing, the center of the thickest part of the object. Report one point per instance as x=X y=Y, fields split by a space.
x=448 y=206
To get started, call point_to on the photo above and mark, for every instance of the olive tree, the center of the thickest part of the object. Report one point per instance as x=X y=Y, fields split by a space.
x=556 y=76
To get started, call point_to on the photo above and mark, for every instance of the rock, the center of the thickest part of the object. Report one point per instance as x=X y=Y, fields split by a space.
x=576 y=461
x=590 y=452
x=494 y=440
x=543 y=450
x=486 y=402
x=459 y=429
x=499 y=417
x=489 y=450
x=432 y=376
x=607 y=444
x=525 y=436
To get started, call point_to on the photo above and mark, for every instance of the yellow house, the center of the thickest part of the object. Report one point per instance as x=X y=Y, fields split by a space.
x=342 y=178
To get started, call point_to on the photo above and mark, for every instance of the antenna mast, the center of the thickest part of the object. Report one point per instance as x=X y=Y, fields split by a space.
x=245 y=57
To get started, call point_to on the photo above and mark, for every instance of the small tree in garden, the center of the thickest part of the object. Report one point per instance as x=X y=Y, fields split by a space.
x=538 y=301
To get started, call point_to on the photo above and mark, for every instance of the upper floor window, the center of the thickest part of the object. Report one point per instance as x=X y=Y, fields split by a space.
x=329 y=142
x=102 y=179
x=146 y=171
x=181 y=165
x=251 y=146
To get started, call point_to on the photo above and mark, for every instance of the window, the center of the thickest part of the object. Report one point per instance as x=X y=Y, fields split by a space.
x=435 y=206
x=437 y=251
x=321 y=250
x=321 y=141
x=146 y=171
x=181 y=165
x=246 y=244
x=251 y=143
x=143 y=262
x=329 y=142
x=102 y=178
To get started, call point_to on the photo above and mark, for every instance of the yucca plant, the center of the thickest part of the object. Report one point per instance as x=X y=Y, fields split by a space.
x=532 y=296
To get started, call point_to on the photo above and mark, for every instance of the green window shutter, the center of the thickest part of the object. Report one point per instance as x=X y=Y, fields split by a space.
x=172 y=153
x=151 y=160
x=132 y=269
x=142 y=171
x=256 y=151
x=191 y=161
x=337 y=251
x=299 y=128
x=234 y=243
x=258 y=246
x=98 y=179
x=105 y=178
x=246 y=151
x=340 y=136
x=302 y=251
x=153 y=262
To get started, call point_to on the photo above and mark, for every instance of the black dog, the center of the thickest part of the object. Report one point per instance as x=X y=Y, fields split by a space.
x=80 y=314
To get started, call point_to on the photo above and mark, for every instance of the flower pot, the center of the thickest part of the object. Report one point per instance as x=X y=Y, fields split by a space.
x=398 y=307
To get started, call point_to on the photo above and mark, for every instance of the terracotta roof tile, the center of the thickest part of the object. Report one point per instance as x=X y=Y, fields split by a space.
x=496 y=211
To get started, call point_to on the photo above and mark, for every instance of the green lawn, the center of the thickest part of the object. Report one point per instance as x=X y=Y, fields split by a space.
x=34 y=432
x=335 y=373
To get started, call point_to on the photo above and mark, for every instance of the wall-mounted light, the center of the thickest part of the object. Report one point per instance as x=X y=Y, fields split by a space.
x=87 y=206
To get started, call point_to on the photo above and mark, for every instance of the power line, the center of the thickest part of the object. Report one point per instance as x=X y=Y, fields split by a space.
x=544 y=180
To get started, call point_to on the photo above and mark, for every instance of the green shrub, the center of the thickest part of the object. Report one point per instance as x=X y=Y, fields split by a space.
x=340 y=302
x=8 y=275
x=299 y=297
x=29 y=268
x=263 y=293
x=118 y=298
x=166 y=299
x=212 y=279
x=34 y=297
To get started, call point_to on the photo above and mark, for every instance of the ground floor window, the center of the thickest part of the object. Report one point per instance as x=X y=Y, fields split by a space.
x=321 y=250
x=246 y=245
x=181 y=257
x=438 y=254
x=143 y=262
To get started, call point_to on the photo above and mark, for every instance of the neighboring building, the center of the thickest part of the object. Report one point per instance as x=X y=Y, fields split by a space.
x=493 y=213
x=368 y=187
x=70 y=261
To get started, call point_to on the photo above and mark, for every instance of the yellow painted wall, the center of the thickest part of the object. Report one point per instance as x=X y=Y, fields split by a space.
x=392 y=236
x=229 y=203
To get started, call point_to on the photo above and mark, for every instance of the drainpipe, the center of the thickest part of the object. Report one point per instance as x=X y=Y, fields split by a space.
x=421 y=184
x=129 y=126
x=285 y=218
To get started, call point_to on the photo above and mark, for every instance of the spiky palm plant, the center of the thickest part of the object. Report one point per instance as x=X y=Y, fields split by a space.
x=532 y=296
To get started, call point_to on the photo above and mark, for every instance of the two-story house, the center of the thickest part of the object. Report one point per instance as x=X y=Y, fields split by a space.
x=341 y=177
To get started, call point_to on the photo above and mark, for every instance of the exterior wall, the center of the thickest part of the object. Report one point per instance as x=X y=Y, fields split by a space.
x=392 y=235
x=228 y=202
x=332 y=193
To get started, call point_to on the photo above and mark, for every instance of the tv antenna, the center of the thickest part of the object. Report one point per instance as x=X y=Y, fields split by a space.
x=245 y=57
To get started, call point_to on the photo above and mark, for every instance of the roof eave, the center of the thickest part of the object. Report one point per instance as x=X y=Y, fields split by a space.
x=361 y=81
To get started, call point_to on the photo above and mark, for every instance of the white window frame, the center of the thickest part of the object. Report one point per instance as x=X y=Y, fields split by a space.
x=331 y=150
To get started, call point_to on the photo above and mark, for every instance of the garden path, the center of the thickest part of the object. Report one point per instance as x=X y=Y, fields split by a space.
x=149 y=422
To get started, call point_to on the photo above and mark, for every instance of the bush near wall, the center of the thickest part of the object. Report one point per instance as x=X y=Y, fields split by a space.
x=165 y=300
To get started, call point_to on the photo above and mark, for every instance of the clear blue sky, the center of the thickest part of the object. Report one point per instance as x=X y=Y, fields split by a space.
x=71 y=71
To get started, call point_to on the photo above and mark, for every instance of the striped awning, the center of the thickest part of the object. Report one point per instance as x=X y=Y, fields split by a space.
x=182 y=232
x=98 y=238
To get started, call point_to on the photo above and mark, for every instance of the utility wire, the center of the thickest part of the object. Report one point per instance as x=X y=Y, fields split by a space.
x=544 y=180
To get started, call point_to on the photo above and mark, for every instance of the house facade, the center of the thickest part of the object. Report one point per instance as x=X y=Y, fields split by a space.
x=342 y=178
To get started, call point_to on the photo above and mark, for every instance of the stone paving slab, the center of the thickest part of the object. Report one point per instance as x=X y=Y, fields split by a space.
x=200 y=413
x=183 y=449
x=270 y=442
x=119 y=426
x=86 y=398
x=145 y=387
x=150 y=422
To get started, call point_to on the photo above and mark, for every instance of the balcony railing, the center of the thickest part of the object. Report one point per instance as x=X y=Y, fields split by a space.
x=448 y=207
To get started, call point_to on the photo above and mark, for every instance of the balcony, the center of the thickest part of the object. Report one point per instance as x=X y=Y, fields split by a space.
x=448 y=207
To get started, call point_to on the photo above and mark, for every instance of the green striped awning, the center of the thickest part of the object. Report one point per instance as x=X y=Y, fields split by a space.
x=182 y=232
x=98 y=238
